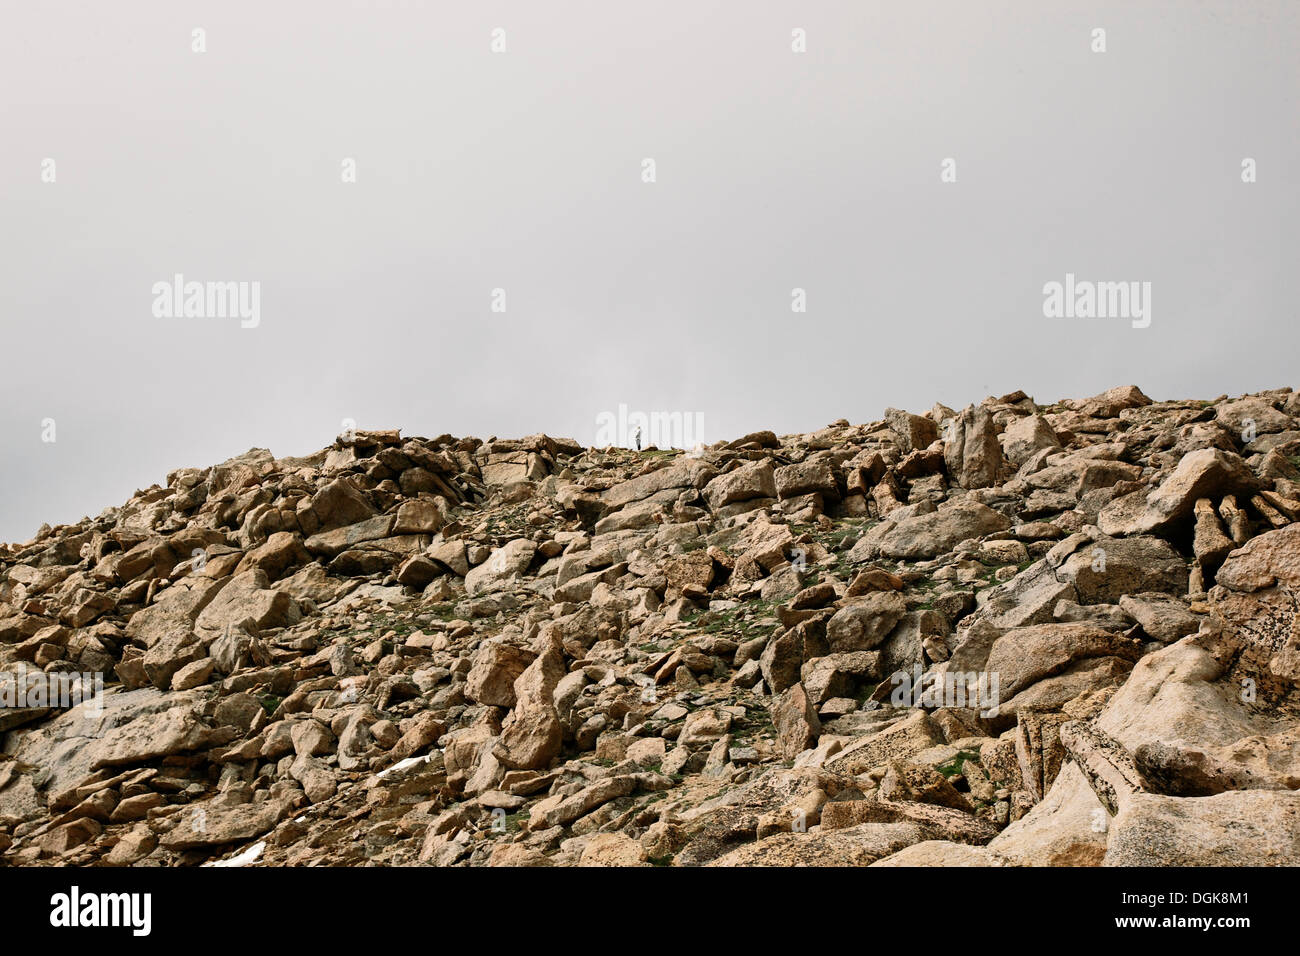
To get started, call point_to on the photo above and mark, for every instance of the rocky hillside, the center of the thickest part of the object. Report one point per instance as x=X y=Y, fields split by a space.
x=1014 y=634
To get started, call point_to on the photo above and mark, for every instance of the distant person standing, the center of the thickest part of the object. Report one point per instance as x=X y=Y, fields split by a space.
x=637 y=438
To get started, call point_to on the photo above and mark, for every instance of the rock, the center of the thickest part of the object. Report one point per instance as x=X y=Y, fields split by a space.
x=613 y=849
x=796 y=722
x=935 y=823
x=312 y=739
x=338 y=504
x=838 y=675
x=1272 y=558
x=1261 y=417
x=175 y=609
x=911 y=782
x=417 y=571
x=531 y=736
x=281 y=551
x=681 y=474
x=971 y=449
x=1025 y=655
x=419 y=516
x=1209 y=544
x=450 y=555
x=329 y=544
x=863 y=625
x=927 y=535
x=906 y=738
x=704 y=726
x=1110 y=403
x=697 y=569
x=855 y=846
x=1241 y=828
x=941 y=853
x=505 y=563
x=210 y=824
x=1209 y=472
x=496 y=668
x=193 y=674
x=916 y=432
x=1184 y=772
x=754 y=480
x=136 y=844
x=247 y=597
x=811 y=477
x=873 y=579
x=1163 y=618
x=1109 y=568
x=1106 y=765
x=1027 y=436
x=581 y=803
x=62 y=839
x=468 y=652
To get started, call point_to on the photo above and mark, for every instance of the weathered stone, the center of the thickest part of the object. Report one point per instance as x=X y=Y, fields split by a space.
x=1209 y=472
x=796 y=722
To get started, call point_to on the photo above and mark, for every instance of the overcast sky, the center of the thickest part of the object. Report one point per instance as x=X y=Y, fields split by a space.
x=523 y=171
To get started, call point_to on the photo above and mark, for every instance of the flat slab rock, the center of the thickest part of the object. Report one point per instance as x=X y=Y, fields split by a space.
x=1237 y=828
x=855 y=846
x=942 y=853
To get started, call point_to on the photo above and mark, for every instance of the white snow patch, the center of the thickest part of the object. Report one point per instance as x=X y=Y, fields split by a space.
x=250 y=855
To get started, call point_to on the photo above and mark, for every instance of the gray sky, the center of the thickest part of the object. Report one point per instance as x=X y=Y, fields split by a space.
x=522 y=170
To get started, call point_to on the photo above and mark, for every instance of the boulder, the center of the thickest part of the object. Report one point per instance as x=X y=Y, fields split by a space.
x=1208 y=472
x=929 y=535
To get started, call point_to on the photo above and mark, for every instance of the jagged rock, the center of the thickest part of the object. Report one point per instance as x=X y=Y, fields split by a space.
x=754 y=480
x=1209 y=544
x=496 y=668
x=1271 y=558
x=338 y=504
x=1209 y=472
x=613 y=849
x=1106 y=765
x=971 y=448
x=248 y=597
x=1026 y=655
x=1025 y=437
x=682 y=473
x=862 y=626
x=1163 y=618
x=503 y=564
x=914 y=431
x=906 y=738
x=908 y=781
x=1039 y=750
x=941 y=853
x=175 y=609
x=812 y=477
x=1183 y=772
x=796 y=722
x=837 y=675
x=532 y=735
x=935 y=822
x=1108 y=568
